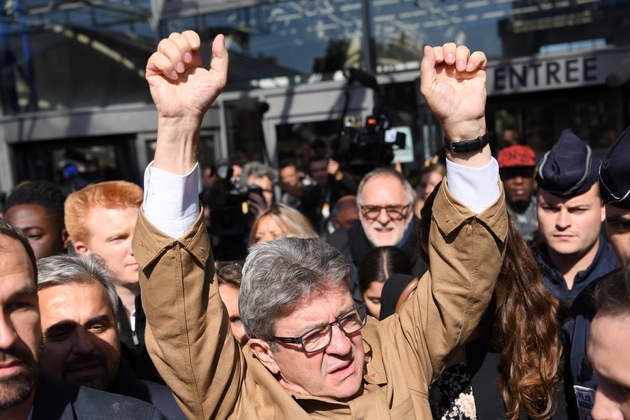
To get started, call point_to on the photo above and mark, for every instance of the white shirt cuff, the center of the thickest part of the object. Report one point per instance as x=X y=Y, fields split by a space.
x=477 y=188
x=171 y=201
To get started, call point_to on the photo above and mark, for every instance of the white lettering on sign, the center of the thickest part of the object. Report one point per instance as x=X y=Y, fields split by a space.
x=552 y=72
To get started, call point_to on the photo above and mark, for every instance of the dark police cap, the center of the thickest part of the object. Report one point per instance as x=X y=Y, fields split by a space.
x=569 y=169
x=614 y=173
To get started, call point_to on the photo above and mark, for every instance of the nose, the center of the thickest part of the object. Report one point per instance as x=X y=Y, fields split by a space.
x=563 y=220
x=605 y=408
x=8 y=335
x=383 y=217
x=83 y=342
x=340 y=343
x=129 y=245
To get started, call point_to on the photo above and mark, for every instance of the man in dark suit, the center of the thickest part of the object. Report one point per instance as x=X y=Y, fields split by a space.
x=24 y=392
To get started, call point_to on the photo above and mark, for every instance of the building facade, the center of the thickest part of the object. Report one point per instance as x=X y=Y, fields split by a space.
x=74 y=96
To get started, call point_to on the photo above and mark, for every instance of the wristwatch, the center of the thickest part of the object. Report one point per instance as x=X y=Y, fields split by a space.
x=466 y=146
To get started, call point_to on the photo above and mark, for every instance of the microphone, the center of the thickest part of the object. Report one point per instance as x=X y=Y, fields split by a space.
x=619 y=76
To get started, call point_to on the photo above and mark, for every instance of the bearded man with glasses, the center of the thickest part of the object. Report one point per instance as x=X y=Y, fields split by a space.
x=385 y=200
x=312 y=352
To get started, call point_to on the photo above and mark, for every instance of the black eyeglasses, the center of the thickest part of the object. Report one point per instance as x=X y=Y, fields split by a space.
x=393 y=212
x=319 y=338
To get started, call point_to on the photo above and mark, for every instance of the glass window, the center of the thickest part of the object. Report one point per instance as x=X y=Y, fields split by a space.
x=500 y=28
x=285 y=42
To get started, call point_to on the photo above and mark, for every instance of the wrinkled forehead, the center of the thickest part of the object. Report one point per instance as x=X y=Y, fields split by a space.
x=318 y=307
x=383 y=191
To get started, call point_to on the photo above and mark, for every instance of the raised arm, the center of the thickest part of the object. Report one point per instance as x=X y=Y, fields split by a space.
x=183 y=91
x=188 y=334
x=468 y=228
x=453 y=82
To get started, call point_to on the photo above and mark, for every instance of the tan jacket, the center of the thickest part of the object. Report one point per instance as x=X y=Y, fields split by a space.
x=189 y=337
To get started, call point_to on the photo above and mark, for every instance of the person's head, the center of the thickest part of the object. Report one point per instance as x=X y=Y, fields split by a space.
x=345 y=212
x=376 y=266
x=256 y=173
x=570 y=210
x=292 y=292
x=614 y=187
x=101 y=220
x=429 y=178
x=385 y=198
x=289 y=173
x=318 y=169
x=608 y=347
x=229 y=277
x=280 y=220
x=510 y=137
x=21 y=335
x=517 y=165
x=36 y=208
x=78 y=302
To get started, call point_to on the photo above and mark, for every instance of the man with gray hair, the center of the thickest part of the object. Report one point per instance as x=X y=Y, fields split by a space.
x=312 y=352
x=264 y=176
x=78 y=303
x=385 y=200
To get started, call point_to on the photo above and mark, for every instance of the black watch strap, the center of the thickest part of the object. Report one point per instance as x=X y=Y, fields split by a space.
x=466 y=146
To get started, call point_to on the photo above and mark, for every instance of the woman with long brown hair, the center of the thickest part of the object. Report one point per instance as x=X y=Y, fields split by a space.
x=517 y=342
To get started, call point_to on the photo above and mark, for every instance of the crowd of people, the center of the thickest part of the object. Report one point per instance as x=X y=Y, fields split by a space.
x=496 y=288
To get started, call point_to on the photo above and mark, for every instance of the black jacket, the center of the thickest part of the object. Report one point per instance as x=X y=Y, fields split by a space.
x=132 y=347
x=67 y=401
x=126 y=383
x=604 y=262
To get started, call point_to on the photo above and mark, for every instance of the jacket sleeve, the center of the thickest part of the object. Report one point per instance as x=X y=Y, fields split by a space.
x=187 y=334
x=466 y=253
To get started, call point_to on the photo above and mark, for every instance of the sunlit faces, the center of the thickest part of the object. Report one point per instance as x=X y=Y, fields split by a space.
x=372 y=298
x=384 y=191
x=428 y=182
x=20 y=330
x=265 y=184
x=571 y=226
x=335 y=372
x=618 y=230
x=608 y=353
x=40 y=227
x=81 y=342
x=111 y=233
x=229 y=296
x=268 y=230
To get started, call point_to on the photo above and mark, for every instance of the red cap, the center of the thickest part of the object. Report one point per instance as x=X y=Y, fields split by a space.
x=517 y=155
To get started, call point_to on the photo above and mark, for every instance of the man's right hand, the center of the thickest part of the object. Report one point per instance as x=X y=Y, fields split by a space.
x=183 y=91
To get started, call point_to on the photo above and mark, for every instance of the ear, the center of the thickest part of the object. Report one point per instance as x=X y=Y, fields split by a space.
x=603 y=213
x=82 y=249
x=263 y=352
x=65 y=238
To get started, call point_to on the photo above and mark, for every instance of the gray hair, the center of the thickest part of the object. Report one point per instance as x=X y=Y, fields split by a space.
x=280 y=275
x=66 y=269
x=383 y=173
x=258 y=170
